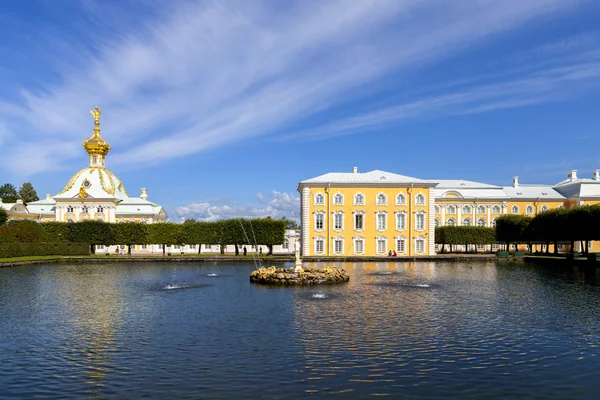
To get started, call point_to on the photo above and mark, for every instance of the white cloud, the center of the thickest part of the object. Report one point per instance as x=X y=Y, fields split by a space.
x=279 y=205
x=207 y=73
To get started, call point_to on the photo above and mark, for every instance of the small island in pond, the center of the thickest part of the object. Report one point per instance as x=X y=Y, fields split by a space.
x=299 y=276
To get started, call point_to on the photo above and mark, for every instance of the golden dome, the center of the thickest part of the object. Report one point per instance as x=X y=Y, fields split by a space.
x=95 y=144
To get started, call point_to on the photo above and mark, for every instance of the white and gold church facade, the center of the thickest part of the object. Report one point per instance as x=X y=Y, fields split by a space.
x=373 y=213
x=94 y=193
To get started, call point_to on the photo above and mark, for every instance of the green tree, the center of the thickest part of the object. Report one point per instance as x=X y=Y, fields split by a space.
x=165 y=234
x=290 y=223
x=59 y=232
x=512 y=229
x=199 y=233
x=268 y=232
x=94 y=233
x=28 y=193
x=22 y=231
x=8 y=193
x=3 y=216
x=130 y=233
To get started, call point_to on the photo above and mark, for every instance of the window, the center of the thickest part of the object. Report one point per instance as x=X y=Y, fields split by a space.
x=466 y=210
x=359 y=245
x=481 y=210
x=319 y=221
x=382 y=245
x=466 y=222
x=121 y=220
x=381 y=221
x=319 y=245
x=285 y=245
x=338 y=245
x=143 y=221
x=400 y=221
x=84 y=209
x=381 y=199
x=69 y=219
x=176 y=247
x=496 y=209
x=420 y=199
x=99 y=247
x=481 y=222
x=319 y=199
x=338 y=221
x=529 y=209
x=400 y=199
x=359 y=199
x=544 y=208
x=192 y=247
x=100 y=209
x=144 y=247
x=69 y=209
x=451 y=209
x=437 y=222
x=99 y=219
x=420 y=245
x=451 y=222
x=437 y=209
x=401 y=245
x=494 y=222
x=420 y=221
x=338 y=199
x=515 y=209
x=207 y=247
x=359 y=222
x=94 y=159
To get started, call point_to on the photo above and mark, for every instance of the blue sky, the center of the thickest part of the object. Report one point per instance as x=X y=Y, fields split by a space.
x=220 y=108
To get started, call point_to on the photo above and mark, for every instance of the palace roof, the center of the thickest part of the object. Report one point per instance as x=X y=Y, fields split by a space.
x=372 y=177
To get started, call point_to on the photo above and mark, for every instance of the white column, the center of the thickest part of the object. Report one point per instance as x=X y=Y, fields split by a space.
x=443 y=215
x=431 y=226
x=305 y=221
x=489 y=216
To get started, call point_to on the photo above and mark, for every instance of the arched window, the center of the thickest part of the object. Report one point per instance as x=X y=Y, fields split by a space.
x=381 y=199
x=420 y=199
x=437 y=209
x=544 y=208
x=100 y=209
x=515 y=209
x=466 y=222
x=69 y=219
x=529 y=209
x=451 y=209
x=359 y=199
x=481 y=210
x=338 y=199
x=481 y=222
x=466 y=210
x=451 y=222
x=319 y=199
x=121 y=220
x=496 y=209
x=437 y=222
x=494 y=222
x=69 y=209
x=400 y=199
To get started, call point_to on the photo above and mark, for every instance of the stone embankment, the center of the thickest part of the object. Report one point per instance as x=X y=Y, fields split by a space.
x=291 y=277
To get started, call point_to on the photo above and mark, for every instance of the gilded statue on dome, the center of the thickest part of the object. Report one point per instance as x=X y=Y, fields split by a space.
x=96 y=114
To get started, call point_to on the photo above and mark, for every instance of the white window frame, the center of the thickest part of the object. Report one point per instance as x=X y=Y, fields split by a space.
x=496 y=209
x=285 y=245
x=437 y=222
x=401 y=227
x=420 y=199
x=381 y=201
x=321 y=240
x=383 y=239
x=449 y=220
x=322 y=214
x=399 y=240
x=400 y=199
x=420 y=215
x=357 y=202
x=420 y=240
x=513 y=208
x=355 y=214
x=544 y=208
x=377 y=226
x=360 y=239
x=100 y=209
x=493 y=223
x=480 y=220
x=479 y=208
x=529 y=209
x=340 y=215
x=340 y=240
x=451 y=209
x=470 y=223
x=70 y=210
x=437 y=209
x=338 y=199
x=466 y=209
x=321 y=196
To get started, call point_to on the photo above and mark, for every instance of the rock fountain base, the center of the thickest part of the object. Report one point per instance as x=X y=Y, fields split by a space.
x=298 y=276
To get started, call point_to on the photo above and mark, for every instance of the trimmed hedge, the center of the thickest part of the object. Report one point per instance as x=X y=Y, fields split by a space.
x=9 y=250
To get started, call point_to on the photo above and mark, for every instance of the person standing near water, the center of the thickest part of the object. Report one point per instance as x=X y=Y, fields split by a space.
x=245 y=251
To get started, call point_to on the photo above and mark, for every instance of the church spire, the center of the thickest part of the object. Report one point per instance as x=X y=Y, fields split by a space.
x=95 y=145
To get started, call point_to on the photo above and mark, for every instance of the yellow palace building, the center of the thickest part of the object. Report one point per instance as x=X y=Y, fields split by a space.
x=371 y=213
x=92 y=193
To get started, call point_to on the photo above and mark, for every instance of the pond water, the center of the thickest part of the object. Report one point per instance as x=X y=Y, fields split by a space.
x=416 y=330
